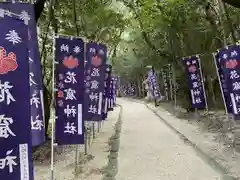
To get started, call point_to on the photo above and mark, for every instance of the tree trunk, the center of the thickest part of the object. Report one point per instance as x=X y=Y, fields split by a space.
x=38 y=8
x=221 y=19
x=46 y=92
x=47 y=111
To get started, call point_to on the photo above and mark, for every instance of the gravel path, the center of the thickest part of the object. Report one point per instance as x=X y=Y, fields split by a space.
x=64 y=163
x=149 y=150
x=100 y=149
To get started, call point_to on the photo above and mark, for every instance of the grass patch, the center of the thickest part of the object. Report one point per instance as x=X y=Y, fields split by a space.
x=110 y=170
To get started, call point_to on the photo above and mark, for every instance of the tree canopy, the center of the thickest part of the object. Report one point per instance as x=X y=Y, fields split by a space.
x=144 y=32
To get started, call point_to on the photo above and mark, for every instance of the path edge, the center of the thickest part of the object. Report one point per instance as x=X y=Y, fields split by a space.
x=226 y=173
x=111 y=169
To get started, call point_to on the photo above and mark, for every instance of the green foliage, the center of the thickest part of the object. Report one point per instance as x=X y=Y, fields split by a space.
x=162 y=32
x=95 y=21
x=146 y=32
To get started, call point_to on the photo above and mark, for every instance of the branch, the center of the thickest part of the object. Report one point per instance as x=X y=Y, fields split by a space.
x=115 y=47
x=106 y=2
x=145 y=35
x=130 y=4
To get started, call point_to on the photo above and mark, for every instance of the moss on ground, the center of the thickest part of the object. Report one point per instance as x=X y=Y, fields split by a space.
x=111 y=169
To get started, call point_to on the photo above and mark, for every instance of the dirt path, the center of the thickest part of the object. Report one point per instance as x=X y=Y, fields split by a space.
x=149 y=150
x=97 y=154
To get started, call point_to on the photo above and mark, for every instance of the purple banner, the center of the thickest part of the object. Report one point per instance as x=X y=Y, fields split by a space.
x=229 y=60
x=118 y=83
x=153 y=84
x=223 y=83
x=25 y=11
x=165 y=83
x=96 y=56
x=109 y=90
x=104 y=101
x=106 y=90
x=15 y=124
x=115 y=80
x=195 y=83
x=114 y=90
x=69 y=57
x=127 y=89
x=131 y=89
x=124 y=87
x=110 y=98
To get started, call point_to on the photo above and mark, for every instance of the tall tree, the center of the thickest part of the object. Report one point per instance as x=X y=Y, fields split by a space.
x=38 y=7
